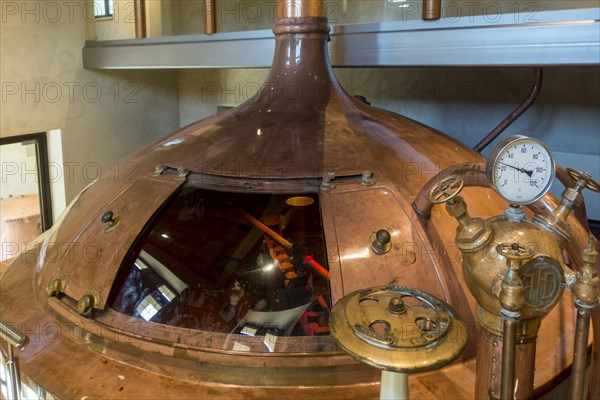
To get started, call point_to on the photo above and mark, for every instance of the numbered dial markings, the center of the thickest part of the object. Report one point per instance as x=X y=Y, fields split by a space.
x=521 y=169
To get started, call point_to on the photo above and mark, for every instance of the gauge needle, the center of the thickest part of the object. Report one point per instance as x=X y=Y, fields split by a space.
x=529 y=173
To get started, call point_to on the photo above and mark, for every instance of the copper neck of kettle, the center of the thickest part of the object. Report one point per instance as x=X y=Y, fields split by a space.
x=287 y=9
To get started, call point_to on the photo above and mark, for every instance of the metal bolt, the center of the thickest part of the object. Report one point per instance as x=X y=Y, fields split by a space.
x=86 y=304
x=367 y=178
x=159 y=169
x=54 y=287
x=396 y=305
x=327 y=183
x=182 y=173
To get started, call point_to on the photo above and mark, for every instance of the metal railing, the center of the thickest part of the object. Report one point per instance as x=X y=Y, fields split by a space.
x=15 y=340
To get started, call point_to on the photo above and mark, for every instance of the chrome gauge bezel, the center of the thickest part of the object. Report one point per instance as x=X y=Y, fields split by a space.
x=494 y=160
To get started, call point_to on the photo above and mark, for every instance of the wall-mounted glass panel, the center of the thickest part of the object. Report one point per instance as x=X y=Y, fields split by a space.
x=243 y=264
x=186 y=17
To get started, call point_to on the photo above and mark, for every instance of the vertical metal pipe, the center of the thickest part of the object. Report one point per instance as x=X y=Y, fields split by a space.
x=210 y=17
x=432 y=9
x=578 y=371
x=394 y=385
x=301 y=8
x=140 y=19
x=509 y=339
x=14 y=380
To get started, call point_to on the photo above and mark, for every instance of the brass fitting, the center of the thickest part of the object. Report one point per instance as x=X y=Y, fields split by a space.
x=87 y=304
x=512 y=291
x=472 y=233
x=55 y=287
x=556 y=222
x=586 y=287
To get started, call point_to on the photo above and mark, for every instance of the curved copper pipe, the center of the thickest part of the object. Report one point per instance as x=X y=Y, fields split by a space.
x=474 y=174
x=535 y=90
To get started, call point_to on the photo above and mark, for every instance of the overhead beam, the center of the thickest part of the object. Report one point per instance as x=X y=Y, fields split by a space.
x=557 y=38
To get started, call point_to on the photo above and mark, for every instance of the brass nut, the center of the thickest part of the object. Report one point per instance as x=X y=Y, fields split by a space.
x=396 y=305
x=458 y=208
x=574 y=196
x=86 y=304
x=55 y=287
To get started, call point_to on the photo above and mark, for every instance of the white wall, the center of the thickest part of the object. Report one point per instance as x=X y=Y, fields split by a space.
x=102 y=115
x=18 y=166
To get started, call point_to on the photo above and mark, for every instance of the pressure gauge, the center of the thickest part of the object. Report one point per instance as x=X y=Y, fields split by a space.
x=521 y=169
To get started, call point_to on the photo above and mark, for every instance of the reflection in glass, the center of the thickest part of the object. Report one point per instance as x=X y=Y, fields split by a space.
x=247 y=264
x=20 y=213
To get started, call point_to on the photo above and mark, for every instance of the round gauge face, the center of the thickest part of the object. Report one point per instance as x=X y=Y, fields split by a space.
x=521 y=169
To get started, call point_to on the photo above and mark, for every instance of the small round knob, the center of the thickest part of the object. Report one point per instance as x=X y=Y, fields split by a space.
x=383 y=236
x=110 y=221
x=381 y=241
x=107 y=217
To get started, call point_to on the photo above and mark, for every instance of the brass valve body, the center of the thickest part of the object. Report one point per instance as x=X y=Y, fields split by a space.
x=542 y=275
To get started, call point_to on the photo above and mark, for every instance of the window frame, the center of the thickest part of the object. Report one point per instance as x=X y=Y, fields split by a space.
x=108 y=4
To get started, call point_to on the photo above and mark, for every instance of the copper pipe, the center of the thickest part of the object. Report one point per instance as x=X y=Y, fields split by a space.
x=279 y=239
x=210 y=17
x=474 y=174
x=274 y=235
x=594 y=390
x=509 y=339
x=301 y=8
x=14 y=378
x=535 y=90
x=432 y=9
x=140 y=19
x=489 y=367
x=578 y=370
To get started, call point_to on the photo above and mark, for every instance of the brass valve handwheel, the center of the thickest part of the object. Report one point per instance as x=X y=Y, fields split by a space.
x=586 y=179
x=446 y=189
x=398 y=329
x=514 y=251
